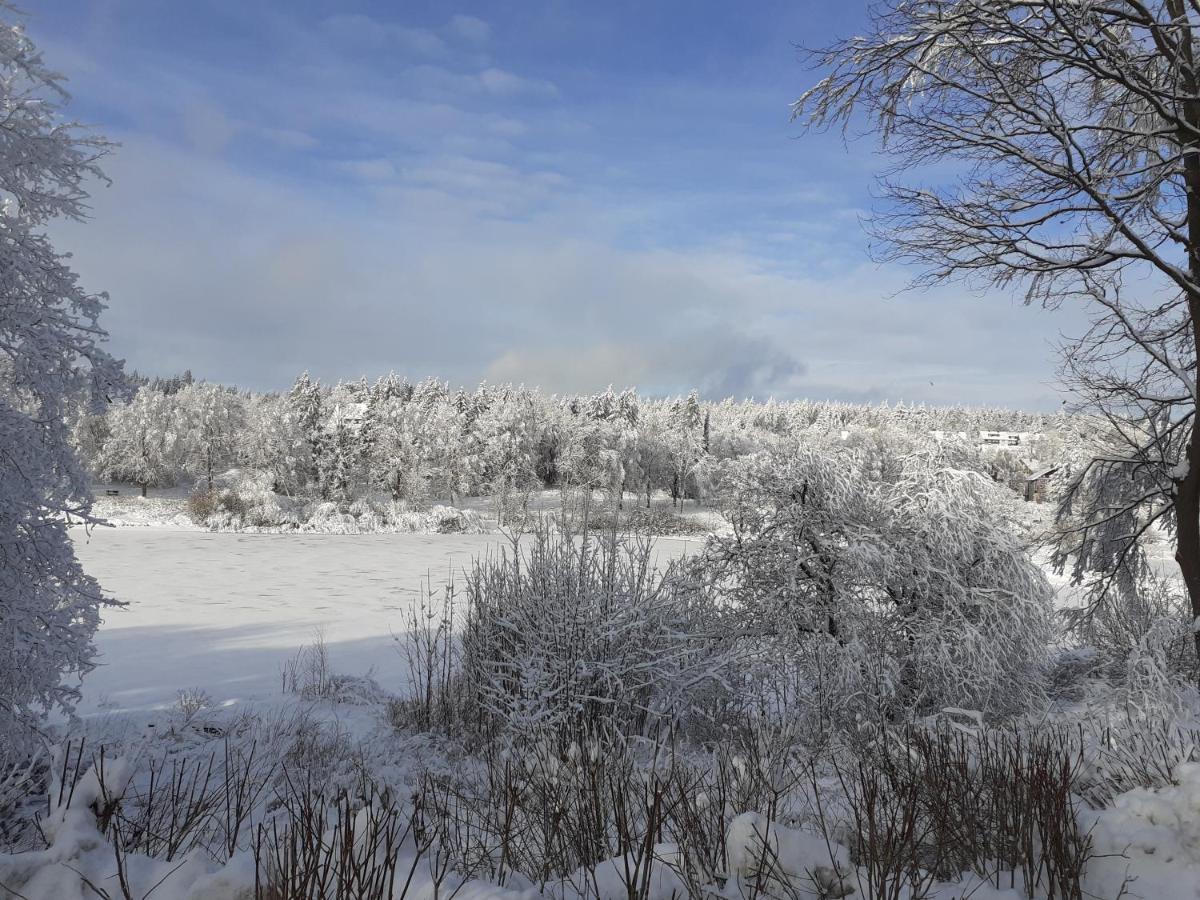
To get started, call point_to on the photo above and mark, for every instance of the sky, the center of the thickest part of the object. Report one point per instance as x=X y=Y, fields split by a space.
x=561 y=194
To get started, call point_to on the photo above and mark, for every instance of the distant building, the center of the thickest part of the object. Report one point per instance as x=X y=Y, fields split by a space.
x=1006 y=438
x=1037 y=484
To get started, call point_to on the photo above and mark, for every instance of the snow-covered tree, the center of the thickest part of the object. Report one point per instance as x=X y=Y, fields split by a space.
x=346 y=438
x=50 y=345
x=272 y=442
x=143 y=442
x=307 y=403
x=502 y=440
x=212 y=418
x=891 y=597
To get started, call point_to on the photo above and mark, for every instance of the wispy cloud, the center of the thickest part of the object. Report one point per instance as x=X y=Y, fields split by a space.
x=366 y=31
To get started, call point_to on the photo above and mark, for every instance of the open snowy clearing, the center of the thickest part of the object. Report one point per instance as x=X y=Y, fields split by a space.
x=223 y=612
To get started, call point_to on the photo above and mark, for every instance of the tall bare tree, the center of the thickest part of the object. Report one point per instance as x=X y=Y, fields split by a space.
x=1054 y=146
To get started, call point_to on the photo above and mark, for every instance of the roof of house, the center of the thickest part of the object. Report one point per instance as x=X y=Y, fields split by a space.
x=1043 y=473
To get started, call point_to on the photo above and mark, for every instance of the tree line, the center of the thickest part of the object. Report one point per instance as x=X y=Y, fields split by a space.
x=425 y=440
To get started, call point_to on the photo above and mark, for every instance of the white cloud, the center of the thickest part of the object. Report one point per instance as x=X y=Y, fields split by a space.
x=343 y=288
x=470 y=28
x=486 y=236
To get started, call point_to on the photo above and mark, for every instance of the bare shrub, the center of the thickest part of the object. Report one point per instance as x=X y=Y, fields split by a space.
x=190 y=701
x=330 y=848
x=183 y=804
x=430 y=650
x=201 y=505
x=566 y=817
x=933 y=804
x=308 y=673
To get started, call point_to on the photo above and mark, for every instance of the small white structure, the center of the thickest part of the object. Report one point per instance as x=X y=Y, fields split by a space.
x=1007 y=438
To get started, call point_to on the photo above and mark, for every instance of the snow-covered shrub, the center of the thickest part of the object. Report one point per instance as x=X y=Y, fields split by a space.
x=786 y=862
x=244 y=499
x=584 y=820
x=1154 y=609
x=637 y=519
x=1131 y=751
x=430 y=648
x=887 y=598
x=367 y=518
x=451 y=520
x=437 y=519
x=566 y=636
x=1151 y=686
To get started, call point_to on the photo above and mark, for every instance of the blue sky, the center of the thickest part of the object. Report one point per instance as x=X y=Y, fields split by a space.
x=556 y=193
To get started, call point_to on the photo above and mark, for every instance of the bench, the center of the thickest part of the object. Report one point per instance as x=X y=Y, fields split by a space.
x=113 y=493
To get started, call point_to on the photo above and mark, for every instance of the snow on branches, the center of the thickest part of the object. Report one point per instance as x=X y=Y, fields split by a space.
x=909 y=594
x=50 y=361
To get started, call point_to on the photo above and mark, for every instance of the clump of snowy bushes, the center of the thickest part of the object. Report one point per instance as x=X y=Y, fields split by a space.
x=248 y=503
x=634 y=518
x=846 y=598
x=247 y=808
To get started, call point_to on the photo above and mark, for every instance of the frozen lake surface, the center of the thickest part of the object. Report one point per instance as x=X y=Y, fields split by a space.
x=224 y=611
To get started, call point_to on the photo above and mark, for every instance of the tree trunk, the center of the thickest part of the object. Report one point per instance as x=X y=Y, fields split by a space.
x=1187 y=534
x=143 y=489
x=1187 y=488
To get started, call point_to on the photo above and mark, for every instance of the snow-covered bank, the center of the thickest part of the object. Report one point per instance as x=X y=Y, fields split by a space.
x=724 y=837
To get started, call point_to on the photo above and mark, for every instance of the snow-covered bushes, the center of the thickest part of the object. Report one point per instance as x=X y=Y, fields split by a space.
x=638 y=519
x=246 y=502
x=1129 y=752
x=883 y=598
x=201 y=830
x=569 y=636
x=1149 y=616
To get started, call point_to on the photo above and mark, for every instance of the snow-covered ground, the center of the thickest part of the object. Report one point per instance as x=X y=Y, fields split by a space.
x=222 y=612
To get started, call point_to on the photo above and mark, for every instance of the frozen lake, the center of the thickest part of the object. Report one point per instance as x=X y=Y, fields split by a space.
x=224 y=611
